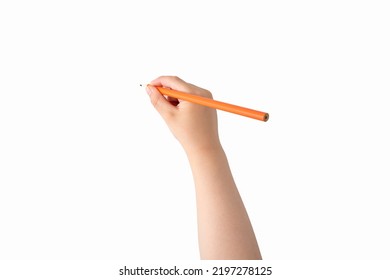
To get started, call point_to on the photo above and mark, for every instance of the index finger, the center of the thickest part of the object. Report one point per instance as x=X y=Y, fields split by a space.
x=176 y=83
x=171 y=82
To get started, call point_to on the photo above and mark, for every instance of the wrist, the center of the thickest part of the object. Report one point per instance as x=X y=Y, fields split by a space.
x=204 y=152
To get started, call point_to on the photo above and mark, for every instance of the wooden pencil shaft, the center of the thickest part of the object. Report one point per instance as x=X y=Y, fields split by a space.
x=250 y=113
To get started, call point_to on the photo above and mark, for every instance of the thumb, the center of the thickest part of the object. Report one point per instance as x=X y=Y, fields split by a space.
x=159 y=102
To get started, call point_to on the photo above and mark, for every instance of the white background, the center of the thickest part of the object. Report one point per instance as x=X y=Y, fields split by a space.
x=88 y=169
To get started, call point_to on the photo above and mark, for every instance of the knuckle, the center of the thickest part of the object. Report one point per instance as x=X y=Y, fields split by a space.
x=176 y=78
x=208 y=94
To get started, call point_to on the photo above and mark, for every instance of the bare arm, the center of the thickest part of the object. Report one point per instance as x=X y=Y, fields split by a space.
x=224 y=228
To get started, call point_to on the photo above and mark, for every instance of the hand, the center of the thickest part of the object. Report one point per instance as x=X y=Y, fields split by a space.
x=194 y=126
x=224 y=228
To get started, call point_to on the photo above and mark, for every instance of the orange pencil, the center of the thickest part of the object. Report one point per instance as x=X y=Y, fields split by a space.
x=246 y=112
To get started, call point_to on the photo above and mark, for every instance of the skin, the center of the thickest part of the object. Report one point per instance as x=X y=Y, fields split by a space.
x=224 y=229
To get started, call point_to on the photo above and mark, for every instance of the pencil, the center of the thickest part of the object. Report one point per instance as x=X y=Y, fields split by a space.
x=246 y=112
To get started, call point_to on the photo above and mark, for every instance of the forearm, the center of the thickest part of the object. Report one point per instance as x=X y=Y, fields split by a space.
x=225 y=231
x=224 y=228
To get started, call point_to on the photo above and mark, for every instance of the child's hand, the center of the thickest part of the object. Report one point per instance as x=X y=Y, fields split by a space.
x=224 y=228
x=195 y=126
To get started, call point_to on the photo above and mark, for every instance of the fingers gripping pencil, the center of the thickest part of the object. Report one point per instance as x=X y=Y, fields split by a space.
x=246 y=112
